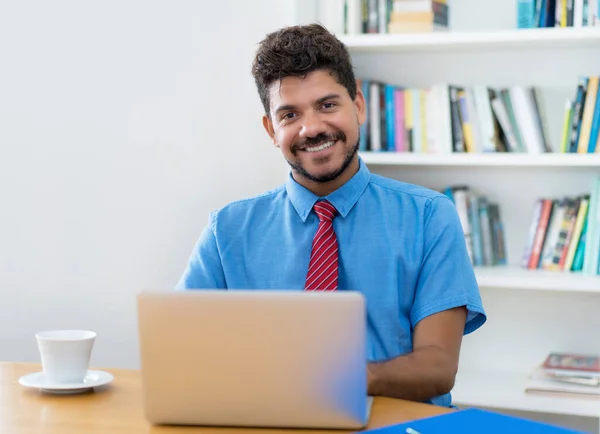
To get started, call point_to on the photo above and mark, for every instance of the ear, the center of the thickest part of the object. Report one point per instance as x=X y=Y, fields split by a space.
x=268 y=126
x=360 y=104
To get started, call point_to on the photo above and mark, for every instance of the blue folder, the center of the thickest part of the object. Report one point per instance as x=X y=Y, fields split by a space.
x=474 y=421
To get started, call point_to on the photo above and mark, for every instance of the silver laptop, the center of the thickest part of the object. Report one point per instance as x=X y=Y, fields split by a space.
x=289 y=359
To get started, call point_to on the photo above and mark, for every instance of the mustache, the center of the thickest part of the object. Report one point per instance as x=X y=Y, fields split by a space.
x=320 y=138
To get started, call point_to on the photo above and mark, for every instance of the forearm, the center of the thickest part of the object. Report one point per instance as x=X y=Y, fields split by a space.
x=418 y=376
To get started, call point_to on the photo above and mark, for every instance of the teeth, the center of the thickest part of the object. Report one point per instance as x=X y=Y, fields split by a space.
x=320 y=147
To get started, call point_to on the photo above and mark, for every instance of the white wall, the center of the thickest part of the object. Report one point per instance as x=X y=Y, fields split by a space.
x=122 y=124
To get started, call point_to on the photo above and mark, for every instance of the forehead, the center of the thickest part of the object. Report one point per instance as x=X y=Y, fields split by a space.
x=299 y=90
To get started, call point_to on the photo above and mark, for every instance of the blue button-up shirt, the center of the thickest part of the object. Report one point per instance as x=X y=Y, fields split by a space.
x=400 y=245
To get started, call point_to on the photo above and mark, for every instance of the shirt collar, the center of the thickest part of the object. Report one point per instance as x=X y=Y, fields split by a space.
x=343 y=198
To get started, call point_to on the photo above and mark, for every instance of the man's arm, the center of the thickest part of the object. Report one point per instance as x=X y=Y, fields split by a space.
x=204 y=269
x=446 y=306
x=430 y=369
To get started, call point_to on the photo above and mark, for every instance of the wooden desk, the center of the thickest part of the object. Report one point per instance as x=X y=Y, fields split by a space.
x=117 y=409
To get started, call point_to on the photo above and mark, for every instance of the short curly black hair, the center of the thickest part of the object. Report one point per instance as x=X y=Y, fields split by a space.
x=298 y=51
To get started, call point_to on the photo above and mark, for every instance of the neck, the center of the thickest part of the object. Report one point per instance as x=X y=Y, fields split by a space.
x=324 y=188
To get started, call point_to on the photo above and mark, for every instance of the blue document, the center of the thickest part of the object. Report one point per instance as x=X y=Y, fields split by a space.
x=473 y=421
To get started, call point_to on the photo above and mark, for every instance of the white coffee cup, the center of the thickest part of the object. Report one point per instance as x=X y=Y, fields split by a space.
x=65 y=354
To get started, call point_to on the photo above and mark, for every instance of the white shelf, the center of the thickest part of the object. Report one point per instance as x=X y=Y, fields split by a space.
x=506 y=390
x=487 y=159
x=468 y=40
x=501 y=277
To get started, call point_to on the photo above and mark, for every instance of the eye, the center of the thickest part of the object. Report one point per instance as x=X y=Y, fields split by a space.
x=328 y=105
x=288 y=116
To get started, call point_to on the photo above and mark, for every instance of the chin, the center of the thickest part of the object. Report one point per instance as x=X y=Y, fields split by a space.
x=323 y=174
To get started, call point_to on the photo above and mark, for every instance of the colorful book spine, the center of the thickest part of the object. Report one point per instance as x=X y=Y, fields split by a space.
x=592 y=248
x=400 y=133
x=595 y=128
x=390 y=118
x=577 y=231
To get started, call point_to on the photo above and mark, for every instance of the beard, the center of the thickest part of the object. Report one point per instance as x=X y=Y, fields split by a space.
x=330 y=176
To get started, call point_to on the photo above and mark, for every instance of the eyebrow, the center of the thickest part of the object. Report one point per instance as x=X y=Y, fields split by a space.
x=319 y=101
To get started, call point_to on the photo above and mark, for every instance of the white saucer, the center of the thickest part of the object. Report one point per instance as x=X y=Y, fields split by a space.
x=37 y=380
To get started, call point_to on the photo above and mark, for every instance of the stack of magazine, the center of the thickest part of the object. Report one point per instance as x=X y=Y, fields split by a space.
x=567 y=374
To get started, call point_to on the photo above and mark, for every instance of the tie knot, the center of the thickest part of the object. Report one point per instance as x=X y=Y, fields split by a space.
x=325 y=210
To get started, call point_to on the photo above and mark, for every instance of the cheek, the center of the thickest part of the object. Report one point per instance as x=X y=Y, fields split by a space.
x=284 y=138
x=347 y=123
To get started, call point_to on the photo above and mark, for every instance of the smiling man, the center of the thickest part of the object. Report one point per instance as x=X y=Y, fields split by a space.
x=335 y=226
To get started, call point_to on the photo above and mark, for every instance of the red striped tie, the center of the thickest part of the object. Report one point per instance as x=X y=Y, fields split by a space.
x=323 y=267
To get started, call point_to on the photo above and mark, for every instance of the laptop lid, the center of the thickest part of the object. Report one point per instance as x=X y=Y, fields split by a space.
x=254 y=358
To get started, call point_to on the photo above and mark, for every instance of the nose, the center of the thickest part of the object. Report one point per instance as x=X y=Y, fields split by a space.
x=312 y=125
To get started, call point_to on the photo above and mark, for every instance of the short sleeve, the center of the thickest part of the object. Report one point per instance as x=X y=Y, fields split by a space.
x=446 y=278
x=204 y=269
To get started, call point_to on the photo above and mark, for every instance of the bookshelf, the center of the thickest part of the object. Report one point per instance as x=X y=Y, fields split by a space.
x=505 y=278
x=505 y=160
x=456 y=41
x=531 y=312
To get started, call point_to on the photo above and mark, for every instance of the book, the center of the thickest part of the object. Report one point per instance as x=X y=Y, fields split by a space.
x=574 y=363
x=545 y=383
x=473 y=421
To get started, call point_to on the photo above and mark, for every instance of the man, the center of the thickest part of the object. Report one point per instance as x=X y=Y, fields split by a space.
x=335 y=226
